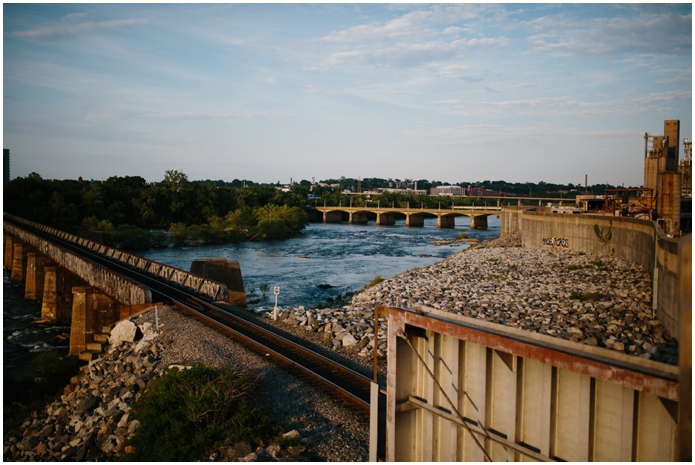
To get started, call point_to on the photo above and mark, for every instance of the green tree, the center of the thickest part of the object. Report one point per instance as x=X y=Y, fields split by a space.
x=276 y=222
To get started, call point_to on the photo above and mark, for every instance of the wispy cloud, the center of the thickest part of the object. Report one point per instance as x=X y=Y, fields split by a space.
x=409 y=55
x=70 y=30
x=664 y=33
x=73 y=17
x=447 y=102
x=545 y=102
x=211 y=115
x=410 y=24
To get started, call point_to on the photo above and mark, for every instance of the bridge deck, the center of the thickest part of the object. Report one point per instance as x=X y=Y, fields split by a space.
x=467 y=211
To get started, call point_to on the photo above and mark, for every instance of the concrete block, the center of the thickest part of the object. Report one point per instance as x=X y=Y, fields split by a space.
x=227 y=273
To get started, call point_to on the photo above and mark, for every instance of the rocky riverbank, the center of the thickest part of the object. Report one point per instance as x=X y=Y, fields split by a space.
x=595 y=300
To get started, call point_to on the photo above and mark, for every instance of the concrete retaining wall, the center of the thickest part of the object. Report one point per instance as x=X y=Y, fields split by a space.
x=207 y=287
x=669 y=273
x=631 y=239
x=511 y=219
x=627 y=238
x=226 y=272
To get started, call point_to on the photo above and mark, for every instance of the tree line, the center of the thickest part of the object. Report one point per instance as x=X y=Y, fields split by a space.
x=176 y=211
x=128 y=212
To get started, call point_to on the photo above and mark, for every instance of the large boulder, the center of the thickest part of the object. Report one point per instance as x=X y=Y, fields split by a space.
x=349 y=340
x=125 y=331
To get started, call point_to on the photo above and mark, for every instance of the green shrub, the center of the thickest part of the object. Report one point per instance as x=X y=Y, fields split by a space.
x=53 y=364
x=186 y=413
x=377 y=279
x=128 y=237
x=23 y=395
x=590 y=297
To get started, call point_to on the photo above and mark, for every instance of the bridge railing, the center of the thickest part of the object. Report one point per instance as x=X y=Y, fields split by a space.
x=407 y=208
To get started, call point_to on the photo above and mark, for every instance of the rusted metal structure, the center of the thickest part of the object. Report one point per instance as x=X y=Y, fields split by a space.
x=462 y=389
x=636 y=203
x=590 y=203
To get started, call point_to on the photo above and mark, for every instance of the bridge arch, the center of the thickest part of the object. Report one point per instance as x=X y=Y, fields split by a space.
x=413 y=217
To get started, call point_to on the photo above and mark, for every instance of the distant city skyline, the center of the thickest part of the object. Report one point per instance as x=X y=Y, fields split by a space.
x=450 y=92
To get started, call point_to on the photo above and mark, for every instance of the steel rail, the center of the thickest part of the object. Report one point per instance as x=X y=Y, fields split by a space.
x=330 y=373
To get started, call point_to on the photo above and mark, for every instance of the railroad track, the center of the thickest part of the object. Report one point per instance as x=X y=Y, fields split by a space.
x=308 y=364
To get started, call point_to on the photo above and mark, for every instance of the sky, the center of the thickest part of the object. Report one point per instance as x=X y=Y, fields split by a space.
x=447 y=92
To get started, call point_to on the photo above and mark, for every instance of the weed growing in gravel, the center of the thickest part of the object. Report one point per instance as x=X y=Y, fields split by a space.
x=185 y=413
x=590 y=297
x=377 y=279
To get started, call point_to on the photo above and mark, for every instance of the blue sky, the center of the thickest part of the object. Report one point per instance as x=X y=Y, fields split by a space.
x=450 y=92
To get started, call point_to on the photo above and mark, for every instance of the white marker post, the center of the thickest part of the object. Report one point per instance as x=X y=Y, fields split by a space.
x=276 y=291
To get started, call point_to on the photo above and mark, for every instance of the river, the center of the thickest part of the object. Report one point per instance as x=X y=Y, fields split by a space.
x=344 y=256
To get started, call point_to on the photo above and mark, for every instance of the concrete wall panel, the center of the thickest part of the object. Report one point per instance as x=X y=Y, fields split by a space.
x=524 y=396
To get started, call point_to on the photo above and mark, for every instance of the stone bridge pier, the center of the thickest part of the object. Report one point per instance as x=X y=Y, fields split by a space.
x=65 y=297
x=385 y=219
x=445 y=221
x=358 y=218
x=91 y=311
x=333 y=217
x=414 y=220
x=479 y=222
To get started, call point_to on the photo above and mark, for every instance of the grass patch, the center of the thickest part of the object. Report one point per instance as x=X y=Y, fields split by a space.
x=377 y=279
x=185 y=413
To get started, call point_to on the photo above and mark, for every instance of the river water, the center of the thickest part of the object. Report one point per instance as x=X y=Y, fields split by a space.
x=344 y=256
x=22 y=339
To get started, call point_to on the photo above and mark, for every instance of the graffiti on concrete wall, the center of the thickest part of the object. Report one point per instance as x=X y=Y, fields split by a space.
x=556 y=242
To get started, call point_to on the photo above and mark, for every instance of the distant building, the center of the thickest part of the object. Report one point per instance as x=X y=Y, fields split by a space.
x=6 y=164
x=447 y=190
x=380 y=190
x=482 y=192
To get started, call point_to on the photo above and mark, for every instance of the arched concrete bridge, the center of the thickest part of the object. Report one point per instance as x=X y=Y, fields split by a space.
x=414 y=217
